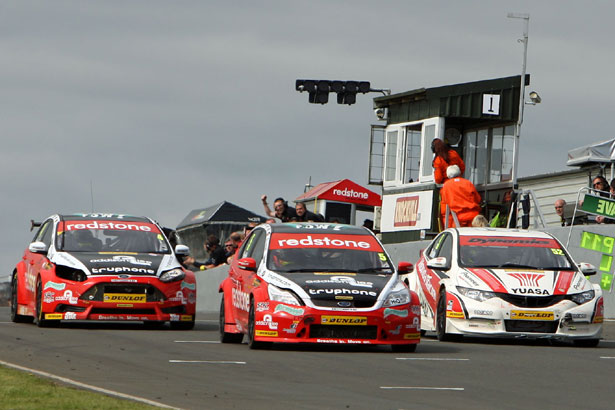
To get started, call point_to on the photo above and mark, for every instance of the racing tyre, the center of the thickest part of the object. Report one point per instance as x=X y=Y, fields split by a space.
x=403 y=348
x=15 y=317
x=586 y=342
x=251 y=342
x=226 y=337
x=441 y=320
x=38 y=318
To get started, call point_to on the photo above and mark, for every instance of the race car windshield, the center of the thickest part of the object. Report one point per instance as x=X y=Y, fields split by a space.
x=110 y=236
x=543 y=255
x=328 y=260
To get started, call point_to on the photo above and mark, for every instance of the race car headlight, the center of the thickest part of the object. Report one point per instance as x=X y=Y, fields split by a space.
x=172 y=275
x=280 y=295
x=396 y=298
x=476 y=294
x=584 y=297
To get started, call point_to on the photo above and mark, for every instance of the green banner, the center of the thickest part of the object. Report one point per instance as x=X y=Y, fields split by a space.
x=606 y=281
x=598 y=205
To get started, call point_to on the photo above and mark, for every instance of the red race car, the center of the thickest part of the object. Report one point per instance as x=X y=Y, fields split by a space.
x=102 y=267
x=317 y=283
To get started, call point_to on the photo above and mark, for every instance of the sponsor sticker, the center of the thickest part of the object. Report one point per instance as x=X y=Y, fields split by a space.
x=343 y=320
x=529 y=315
x=331 y=241
x=113 y=225
x=185 y=318
x=124 y=297
x=507 y=241
x=450 y=313
x=262 y=306
x=70 y=316
x=412 y=336
x=395 y=312
x=290 y=310
x=53 y=316
x=186 y=285
x=266 y=333
x=53 y=285
x=48 y=297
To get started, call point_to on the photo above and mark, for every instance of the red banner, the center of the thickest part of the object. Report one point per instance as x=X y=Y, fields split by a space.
x=508 y=241
x=319 y=240
x=111 y=225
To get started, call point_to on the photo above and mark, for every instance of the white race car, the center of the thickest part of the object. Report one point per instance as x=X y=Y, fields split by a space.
x=506 y=283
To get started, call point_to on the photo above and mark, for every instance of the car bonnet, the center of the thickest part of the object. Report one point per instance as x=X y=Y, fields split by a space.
x=94 y=263
x=524 y=282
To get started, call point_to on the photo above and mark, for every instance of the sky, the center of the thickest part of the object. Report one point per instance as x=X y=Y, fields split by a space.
x=156 y=108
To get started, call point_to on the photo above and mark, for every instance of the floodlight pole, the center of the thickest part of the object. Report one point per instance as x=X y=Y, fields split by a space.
x=526 y=23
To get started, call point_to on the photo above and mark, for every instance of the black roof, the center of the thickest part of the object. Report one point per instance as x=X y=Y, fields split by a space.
x=220 y=212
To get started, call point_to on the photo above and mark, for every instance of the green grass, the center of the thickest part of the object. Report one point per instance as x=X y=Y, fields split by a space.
x=21 y=390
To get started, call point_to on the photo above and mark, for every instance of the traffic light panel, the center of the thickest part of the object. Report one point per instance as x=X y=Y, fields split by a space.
x=319 y=90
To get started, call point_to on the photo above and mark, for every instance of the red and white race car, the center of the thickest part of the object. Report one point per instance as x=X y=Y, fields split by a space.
x=506 y=283
x=317 y=283
x=102 y=267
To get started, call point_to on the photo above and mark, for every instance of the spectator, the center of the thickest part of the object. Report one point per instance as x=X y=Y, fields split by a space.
x=229 y=248
x=303 y=215
x=612 y=188
x=559 y=210
x=217 y=255
x=280 y=209
x=444 y=156
x=480 y=221
x=461 y=197
x=602 y=187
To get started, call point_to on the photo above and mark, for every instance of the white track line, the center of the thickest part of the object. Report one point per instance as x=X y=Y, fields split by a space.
x=197 y=341
x=607 y=357
x=421 y=388
x=429 y=358
x=207 y=361
x=87 y=386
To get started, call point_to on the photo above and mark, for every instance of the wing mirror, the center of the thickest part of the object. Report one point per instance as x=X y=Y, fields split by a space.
x=438 y=263
x=248 y=264
x=182 y=250
x=587 y=269
x=404 y=267
x=38 y=247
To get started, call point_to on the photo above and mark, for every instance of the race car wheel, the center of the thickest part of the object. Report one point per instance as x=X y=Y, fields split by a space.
x=441 y=320
x=403 y=348
x=188 y=325
x=15 y=317
x=38 y=318
x=586 y=342
x=226 y=337
x=253 y=344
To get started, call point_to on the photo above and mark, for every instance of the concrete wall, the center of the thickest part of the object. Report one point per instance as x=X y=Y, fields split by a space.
x=208 y=298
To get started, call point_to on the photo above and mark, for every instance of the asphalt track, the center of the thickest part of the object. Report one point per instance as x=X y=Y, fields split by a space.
x=191 y=370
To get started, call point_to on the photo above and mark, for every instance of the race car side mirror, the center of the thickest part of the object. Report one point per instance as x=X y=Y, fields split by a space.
x=404 y=267
x=248 y=264
x=587 y=269
x=438 y=263
x=182 y=250
x=38 y=247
